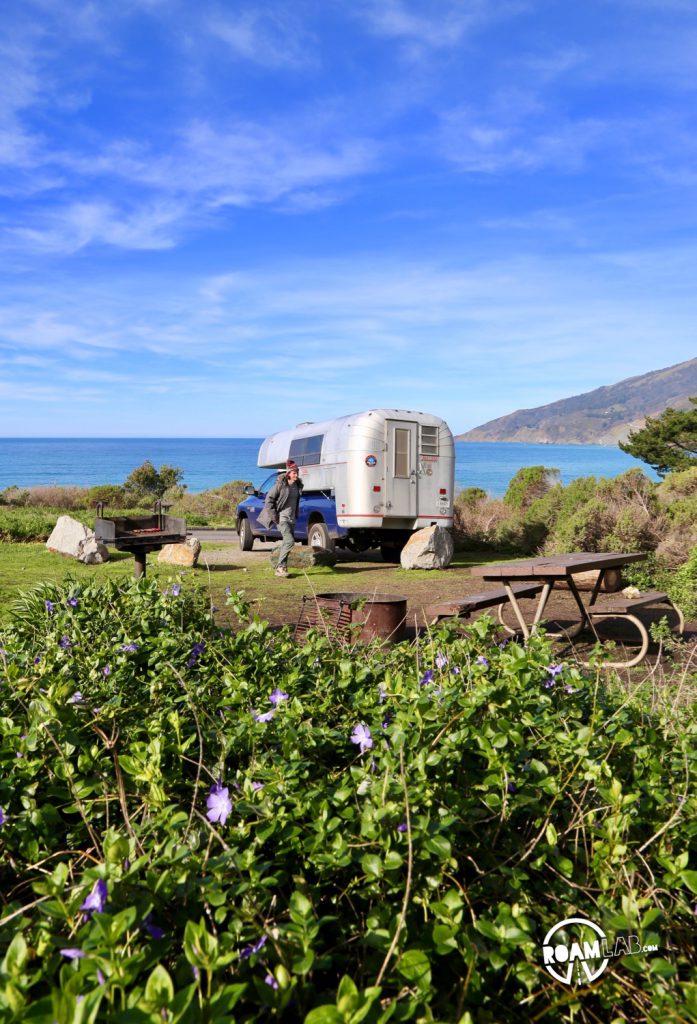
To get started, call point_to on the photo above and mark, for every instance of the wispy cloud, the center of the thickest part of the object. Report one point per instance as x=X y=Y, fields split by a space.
x=269 y=37
x=424 y=27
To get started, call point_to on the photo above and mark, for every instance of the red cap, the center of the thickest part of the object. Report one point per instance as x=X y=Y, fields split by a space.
x=291 y=465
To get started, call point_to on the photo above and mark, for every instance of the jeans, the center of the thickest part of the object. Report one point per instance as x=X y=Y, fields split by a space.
x=285 y=525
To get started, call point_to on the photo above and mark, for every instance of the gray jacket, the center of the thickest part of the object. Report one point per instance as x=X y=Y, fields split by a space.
x=276 y=499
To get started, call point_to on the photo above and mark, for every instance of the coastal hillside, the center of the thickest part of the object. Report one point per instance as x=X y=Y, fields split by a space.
x=603 y=416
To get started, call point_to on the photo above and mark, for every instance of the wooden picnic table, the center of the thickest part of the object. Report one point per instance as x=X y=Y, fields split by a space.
x=550 y=570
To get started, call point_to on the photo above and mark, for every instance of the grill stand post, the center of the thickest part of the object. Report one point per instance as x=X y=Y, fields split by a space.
x=139 y=566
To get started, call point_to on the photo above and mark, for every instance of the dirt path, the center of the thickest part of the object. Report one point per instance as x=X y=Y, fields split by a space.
x=281 y=601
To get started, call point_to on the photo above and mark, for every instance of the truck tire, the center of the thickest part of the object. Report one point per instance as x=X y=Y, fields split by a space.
x=246 y=535
x=390 y=551
x=318 y=537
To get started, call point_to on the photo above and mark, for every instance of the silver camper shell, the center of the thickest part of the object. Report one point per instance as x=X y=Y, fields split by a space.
x=388 y=469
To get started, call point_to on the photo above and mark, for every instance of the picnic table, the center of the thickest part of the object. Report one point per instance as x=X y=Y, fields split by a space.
x=550 y=570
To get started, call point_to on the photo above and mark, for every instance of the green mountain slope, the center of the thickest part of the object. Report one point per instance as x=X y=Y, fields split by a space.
x=603 y=416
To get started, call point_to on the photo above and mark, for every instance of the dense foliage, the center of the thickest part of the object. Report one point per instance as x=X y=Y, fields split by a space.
x=668 y=442
x=208 y=826
x=625 y=513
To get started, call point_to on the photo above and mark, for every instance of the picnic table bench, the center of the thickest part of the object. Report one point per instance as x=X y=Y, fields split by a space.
x=478 y=602
x=556 y=569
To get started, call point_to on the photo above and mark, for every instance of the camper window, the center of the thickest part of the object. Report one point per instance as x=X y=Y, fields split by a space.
x=401 y=453
x=429 y=440
x=306 y=451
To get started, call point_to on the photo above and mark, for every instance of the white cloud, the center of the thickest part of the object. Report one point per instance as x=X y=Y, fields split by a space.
x=269 y=37
x=425 y=27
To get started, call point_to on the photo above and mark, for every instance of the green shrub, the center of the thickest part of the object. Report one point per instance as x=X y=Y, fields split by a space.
x=528 y=484
x=391 y=840
x=112 y=496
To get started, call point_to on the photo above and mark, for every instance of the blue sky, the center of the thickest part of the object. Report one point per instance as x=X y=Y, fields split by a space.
x=219 y=219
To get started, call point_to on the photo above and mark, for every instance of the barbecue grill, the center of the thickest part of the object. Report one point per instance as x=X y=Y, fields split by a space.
x=139 y=535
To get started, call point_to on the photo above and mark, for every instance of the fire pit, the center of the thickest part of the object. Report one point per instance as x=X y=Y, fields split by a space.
x=139 y=534
x=381 y=616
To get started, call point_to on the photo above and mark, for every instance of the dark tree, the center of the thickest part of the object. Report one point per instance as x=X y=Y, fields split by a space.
x=668 y=442
x=147 y=483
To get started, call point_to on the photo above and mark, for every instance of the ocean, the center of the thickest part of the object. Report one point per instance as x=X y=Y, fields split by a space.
x=210 y=462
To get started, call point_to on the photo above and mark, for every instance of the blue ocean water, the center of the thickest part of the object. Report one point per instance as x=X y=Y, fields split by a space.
x=210 y=462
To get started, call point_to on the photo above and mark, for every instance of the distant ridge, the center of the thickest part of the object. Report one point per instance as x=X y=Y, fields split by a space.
x=603 y=416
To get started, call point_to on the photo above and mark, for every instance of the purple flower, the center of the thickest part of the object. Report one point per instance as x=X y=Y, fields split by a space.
x=76 y=698
x=100 y=977
x=49 y=607
x=153 y=930
x=256 y=786
x=196 y=654
x=569 y=688
x=381 y=693
x=175 y=589
x=65 y=643
x=271 y=981
x=72 y=602
x=72 y=953
x=456 y=670
x=37 y=659
x=106 y=671
x=19 y=754
x=554 y=670
x=266 y=716
x=481 y=660
x=128 y=648
x=3 y=819
x=361 y=736
x=277 y=696
x=441 y=661
x=254 y=948
x=96 y=901
x=387 y=721
x=403 y=827
x=511 y=787
x=427 y=677
x=218 y=803
x=550 y=683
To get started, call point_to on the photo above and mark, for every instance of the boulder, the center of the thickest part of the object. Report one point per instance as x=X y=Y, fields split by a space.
x=185 y=554
x=430 y=548
x=304 y=557
x=74 y=539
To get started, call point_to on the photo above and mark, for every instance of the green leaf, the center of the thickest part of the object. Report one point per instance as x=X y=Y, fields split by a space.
x=415 y=966
x=324 y=1015
x=551 y=834
x=15 y=957
x=159 y=990
x=690 y=880
x=372 y=865
x=440 y=846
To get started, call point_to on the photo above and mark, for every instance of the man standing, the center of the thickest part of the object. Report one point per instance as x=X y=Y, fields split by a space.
x=281 y=506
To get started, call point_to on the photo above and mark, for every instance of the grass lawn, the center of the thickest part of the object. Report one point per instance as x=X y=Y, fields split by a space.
x=23 y=566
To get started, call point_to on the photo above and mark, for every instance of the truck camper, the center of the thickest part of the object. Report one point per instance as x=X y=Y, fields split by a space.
x=370 y=479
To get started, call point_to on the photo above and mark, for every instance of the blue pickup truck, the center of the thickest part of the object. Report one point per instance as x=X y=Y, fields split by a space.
x=316 y=524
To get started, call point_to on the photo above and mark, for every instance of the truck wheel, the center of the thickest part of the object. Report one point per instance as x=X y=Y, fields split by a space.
x=246 y=536
x=318 y=537
x=390 y=551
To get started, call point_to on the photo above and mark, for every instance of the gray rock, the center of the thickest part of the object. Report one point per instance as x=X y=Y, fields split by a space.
x=304 y=557
x=75 y=540
x=185 y=554
x=430 y=548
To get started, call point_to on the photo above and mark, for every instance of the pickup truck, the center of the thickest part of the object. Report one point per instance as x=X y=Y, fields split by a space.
x=316 y=524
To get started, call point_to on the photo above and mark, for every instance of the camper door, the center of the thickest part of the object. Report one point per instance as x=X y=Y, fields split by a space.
x=401 y=479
